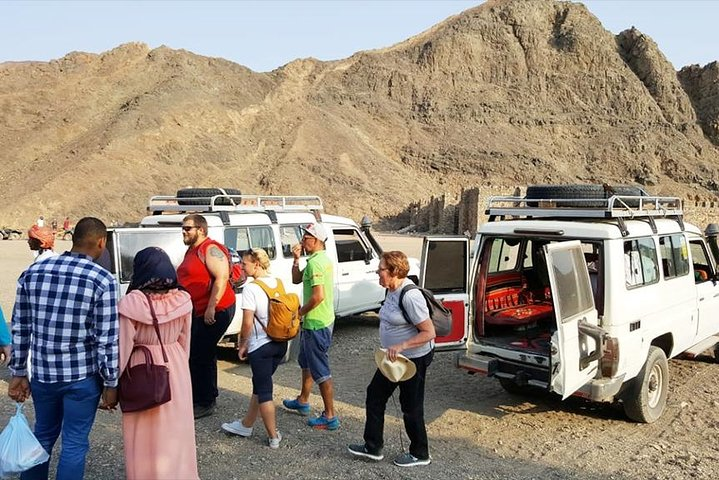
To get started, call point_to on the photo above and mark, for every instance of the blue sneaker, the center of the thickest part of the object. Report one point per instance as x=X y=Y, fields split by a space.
x=324 y=423
x=295 y=405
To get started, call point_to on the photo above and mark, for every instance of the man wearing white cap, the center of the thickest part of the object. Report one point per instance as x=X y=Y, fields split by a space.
x=318 y=317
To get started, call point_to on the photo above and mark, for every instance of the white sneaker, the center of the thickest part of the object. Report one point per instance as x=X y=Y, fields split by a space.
x=237 y=428
x=275 y=442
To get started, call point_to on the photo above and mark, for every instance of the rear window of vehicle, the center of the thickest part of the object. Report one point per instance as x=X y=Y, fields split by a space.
x=640 y=262
x=245 y=238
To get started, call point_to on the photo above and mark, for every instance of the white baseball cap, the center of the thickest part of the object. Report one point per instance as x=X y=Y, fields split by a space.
x=317 y=230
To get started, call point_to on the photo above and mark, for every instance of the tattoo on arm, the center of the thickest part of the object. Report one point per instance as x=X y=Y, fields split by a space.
x=216 y=252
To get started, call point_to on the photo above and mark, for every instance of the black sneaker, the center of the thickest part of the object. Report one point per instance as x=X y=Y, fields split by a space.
x=361 y=451
x=409 y=460
x=201 y=411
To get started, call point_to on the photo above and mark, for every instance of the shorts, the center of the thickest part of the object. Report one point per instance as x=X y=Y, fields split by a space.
x=263 y=363
x=314 y=353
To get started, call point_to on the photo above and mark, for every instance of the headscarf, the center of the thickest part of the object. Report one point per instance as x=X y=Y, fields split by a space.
x=152 y=270
x=44 y=235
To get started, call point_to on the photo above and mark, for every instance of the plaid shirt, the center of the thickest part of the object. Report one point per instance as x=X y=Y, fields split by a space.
x=68 y=305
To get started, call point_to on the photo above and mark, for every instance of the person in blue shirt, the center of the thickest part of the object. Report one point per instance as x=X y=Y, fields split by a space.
x=5 y=341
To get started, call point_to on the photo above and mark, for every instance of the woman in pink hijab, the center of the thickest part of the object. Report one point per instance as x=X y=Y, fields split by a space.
x=159 y=442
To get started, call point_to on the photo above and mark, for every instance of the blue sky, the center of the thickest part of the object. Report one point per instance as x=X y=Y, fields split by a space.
x=264 y=35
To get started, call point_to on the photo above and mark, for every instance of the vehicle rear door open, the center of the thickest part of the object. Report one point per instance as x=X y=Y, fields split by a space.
x=444 y=271
x=574 y=355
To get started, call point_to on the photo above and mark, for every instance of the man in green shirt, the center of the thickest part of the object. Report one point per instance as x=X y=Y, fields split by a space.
x=318 y=321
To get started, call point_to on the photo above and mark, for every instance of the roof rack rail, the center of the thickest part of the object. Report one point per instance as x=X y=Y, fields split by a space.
x=616 y=206
x=160 y=204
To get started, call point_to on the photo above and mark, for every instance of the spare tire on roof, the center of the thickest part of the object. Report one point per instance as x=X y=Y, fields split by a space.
x=201 y=196
x=583 y=192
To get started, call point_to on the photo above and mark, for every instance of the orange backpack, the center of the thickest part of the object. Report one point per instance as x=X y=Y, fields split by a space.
x=283 y=312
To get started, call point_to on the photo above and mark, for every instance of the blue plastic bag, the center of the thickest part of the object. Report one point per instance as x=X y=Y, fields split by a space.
x=19 y=449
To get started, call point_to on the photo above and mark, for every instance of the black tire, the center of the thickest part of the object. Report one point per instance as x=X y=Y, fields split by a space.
x=626 y=191
x=646 y=398
x=201 y=196
x=582 y=193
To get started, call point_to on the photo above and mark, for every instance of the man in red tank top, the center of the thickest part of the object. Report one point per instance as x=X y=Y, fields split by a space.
x=205 y=274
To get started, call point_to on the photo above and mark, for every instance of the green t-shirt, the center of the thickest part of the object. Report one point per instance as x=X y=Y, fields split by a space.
x=319 y=272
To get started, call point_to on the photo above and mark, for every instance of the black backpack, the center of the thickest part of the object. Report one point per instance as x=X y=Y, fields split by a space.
x=440 y=315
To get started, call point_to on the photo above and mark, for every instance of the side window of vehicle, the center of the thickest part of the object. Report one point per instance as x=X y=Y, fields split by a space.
x=350 y=247
x=703 y=270
x=504 y=254
x=244 y=238
x=675 y=256
x=640 y=262
x=289 y=235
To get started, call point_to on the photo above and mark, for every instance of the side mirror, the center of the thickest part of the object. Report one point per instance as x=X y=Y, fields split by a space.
x=367 y=256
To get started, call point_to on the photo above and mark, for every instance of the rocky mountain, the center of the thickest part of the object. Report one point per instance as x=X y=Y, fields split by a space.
x=508 y=93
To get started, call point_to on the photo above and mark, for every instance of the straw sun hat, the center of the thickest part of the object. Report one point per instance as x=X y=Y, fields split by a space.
x=398 y=371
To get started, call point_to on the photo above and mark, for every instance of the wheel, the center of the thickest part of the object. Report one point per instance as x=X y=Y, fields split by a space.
x=582 y=192
x=716 y=353
x=201 y=196
x=647 y=397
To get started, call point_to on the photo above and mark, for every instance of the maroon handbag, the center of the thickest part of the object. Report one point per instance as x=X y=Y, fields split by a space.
x=146 y=385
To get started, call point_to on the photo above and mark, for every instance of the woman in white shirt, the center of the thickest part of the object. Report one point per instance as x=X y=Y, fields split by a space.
x=263 y=353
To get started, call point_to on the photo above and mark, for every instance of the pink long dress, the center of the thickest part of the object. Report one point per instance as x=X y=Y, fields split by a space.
x=160 y=442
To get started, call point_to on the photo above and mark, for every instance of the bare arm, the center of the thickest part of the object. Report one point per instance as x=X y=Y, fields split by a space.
x=248 y=317
x=425 y=333
x=296 y=272
x=217 y=265
x=318 y=294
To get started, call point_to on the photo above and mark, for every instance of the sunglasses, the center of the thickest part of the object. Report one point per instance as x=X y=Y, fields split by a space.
x=188 y=228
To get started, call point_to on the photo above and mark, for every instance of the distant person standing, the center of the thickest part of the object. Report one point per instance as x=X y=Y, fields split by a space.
x=40 y=221
x=54 y=225
x=205 y=274
x=318 y=322
x=41 y=241
x=66 y=314
x=66 y=229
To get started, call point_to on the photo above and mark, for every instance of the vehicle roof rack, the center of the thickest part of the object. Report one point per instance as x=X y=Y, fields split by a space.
x=160 y=204
x=616 y=206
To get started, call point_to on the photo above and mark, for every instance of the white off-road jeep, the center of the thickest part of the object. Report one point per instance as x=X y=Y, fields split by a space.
x=578 y=294
x=241 y=222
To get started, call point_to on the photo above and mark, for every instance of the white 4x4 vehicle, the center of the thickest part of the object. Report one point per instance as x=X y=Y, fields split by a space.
x=241 y=222
x=579 y=296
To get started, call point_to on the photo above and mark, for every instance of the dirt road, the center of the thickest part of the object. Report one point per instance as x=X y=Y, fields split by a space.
x=476 y=429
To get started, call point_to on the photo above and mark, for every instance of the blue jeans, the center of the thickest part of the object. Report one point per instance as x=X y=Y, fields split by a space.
x=67 y=407
x=314 y=353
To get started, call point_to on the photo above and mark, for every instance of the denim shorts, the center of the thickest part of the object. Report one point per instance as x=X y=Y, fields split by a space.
x=314 y=352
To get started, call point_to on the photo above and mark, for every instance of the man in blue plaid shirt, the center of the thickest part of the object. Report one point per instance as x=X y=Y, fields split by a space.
x=66 y=314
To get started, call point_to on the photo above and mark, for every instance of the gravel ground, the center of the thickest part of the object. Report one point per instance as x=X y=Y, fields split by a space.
x=476 y=429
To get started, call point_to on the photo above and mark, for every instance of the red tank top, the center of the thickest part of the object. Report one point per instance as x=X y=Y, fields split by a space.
x=194 y=277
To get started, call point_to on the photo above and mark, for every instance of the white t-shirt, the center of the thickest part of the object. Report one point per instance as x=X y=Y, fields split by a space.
x=45 y=255
x=255 y=299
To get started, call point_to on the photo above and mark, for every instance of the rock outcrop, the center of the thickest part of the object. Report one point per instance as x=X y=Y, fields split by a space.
x=510 y=92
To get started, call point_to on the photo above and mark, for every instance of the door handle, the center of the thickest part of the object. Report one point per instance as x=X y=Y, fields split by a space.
x=345 y=274
x=374 y=271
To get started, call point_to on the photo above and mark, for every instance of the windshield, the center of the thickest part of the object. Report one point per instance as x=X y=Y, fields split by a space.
x=131 y=242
